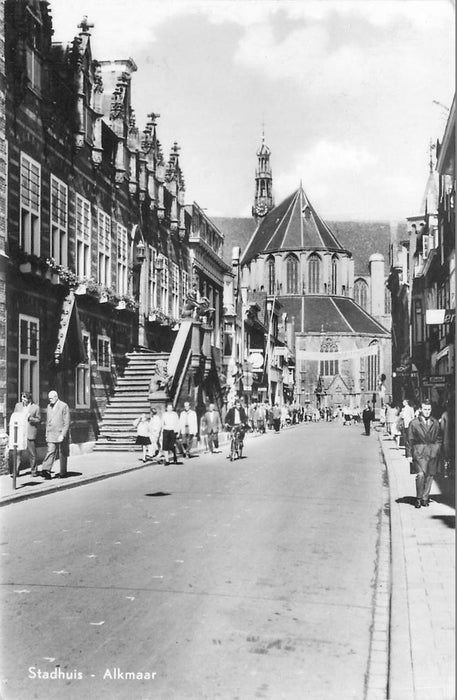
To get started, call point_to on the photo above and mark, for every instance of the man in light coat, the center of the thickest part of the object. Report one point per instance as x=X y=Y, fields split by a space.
x=423 y=449
x=211 y=423
x=32 y=419
x=57 y=436
x=188 y=427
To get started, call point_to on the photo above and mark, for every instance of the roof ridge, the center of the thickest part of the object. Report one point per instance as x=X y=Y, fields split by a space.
x=275 y=230
x=292 y=206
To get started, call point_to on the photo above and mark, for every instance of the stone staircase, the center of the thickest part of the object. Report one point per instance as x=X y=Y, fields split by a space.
x=129 y=401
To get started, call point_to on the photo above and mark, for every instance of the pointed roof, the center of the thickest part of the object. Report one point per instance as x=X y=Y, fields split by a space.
x=292 y=225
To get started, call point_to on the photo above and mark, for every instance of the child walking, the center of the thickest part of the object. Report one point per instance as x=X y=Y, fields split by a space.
x=142 y=425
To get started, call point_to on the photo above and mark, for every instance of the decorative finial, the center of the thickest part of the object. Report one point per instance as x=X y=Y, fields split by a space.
x=263 y=130
x=432 y=147
x=85 y=25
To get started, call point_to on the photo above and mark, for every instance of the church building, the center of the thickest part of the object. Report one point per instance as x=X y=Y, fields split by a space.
x=341 y=343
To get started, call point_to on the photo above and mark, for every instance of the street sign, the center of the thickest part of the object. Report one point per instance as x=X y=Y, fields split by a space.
x=435 y=379
x=439 y=316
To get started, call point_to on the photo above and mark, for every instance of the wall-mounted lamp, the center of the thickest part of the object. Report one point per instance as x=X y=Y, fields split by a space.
x=140 y=252
x=181 y=234
x=159 y=263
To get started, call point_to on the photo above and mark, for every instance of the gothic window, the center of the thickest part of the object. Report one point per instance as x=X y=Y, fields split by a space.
x=292 y=274
x=373 y=368
x=334 y=275
x=314 y=265
x=361 y=293
x=29 y=334
x=59 y=223
x=271 y=276
x=329 y=368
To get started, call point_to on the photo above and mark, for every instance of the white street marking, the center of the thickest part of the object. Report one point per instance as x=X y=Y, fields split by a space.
x=91 y=556
x=97 y=624
x=23 y=590
x=179 y=561
x=157 y=577
x=60 y=572
x=49 y=658
x=130 y=597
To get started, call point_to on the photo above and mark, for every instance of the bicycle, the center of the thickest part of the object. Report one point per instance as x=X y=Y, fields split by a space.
x=236 y=443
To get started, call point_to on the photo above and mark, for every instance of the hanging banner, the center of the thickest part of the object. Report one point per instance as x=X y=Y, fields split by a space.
x=340 y=355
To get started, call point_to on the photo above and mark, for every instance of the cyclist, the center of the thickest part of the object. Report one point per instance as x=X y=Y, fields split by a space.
x=236 y=418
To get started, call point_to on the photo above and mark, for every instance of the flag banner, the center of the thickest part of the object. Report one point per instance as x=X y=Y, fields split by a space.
x=340 y=355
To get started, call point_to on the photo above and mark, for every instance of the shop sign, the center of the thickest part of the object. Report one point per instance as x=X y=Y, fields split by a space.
x=435 y=379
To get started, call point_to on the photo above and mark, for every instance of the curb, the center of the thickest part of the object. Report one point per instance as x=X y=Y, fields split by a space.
x=400 y=676
x=65 y=484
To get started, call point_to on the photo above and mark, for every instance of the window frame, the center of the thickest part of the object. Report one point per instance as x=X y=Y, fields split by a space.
x=122 y=259
x=55 y=226
x=83 y=237
x=30 y=215
x=106 y=353
x=84 y=368
x=33 y=377
x=292 y=266
x=104 y=257
x=314 y=273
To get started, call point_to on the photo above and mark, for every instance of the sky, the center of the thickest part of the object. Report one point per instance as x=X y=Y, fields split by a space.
x=349 y=93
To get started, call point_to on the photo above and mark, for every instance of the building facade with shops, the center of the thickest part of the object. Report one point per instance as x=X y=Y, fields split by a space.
x=101 y=253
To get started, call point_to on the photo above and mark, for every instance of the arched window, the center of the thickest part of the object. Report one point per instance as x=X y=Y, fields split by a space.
x=373 y=368
x=271 y=276
x=292 y=275
x=334 y=275
x=329 y=368
x=361 y=293
x=314 y=266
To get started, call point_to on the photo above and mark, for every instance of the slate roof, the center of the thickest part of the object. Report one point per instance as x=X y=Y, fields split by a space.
x=331 y=314
x=361 y=238
x=292 y=225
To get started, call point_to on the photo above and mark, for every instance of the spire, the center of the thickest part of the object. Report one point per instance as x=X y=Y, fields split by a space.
x=263 y=198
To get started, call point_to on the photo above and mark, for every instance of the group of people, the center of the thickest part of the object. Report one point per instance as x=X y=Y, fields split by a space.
x=163 y=434
x=24 y=424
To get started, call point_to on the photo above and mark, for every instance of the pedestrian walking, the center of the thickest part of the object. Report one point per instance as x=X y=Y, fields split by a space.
x=155 y=433
x=367 y=417
x=276 y=417
x=142 y=425
x=211 y=425
x=170 y=431
x=423 y=449
x=57 y=436
x=188 y=427
x=32 y=418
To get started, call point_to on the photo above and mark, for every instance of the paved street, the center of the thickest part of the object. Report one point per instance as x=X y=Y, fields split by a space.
x=252 y=579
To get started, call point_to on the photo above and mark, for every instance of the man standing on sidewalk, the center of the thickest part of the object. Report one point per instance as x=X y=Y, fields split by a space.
x=31 y=413
x=57 y=428
x=212 y=424
x=423 y=449
x=188 y=427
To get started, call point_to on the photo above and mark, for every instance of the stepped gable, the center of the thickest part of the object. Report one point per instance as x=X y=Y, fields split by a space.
x=292 y=225
x=332 y=314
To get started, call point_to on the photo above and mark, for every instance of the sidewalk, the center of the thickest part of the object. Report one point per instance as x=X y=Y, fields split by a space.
x=422 y=622
x=83 y=469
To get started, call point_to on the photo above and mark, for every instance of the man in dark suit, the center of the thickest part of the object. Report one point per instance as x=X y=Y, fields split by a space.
x=32 y=417
x=423 y=449
x=367 y=417
x=57 y=438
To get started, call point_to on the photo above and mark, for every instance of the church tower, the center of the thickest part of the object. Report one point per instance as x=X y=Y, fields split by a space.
x=263 y=199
